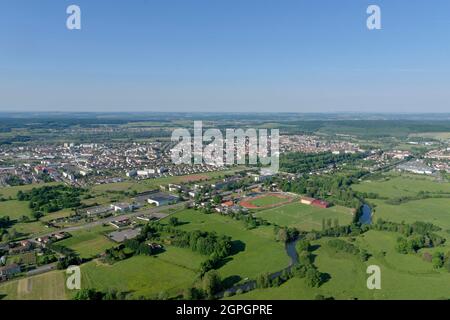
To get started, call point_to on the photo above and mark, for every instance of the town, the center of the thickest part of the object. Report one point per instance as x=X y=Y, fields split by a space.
x=113 y=202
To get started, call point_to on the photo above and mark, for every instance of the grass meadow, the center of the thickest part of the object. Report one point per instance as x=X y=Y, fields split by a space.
x=305 y=217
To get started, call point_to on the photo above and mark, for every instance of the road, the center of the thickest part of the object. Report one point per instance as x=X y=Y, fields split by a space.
x=42 y=269
x=108 y=220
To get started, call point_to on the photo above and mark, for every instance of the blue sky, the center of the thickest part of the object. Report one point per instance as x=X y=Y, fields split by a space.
x=225 y=55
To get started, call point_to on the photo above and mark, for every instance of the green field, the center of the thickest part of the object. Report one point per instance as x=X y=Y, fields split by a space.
x=14 y=209
x=402 y=276
x=171 y=271
x=305 y=217
x=434 y=210
x=394 y=186
x=47 y=286
x=90 y=242
x=267 y=201
x=259 y=251
x=12 y=191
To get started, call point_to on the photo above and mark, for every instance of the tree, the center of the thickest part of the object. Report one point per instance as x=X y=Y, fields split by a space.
x=303 y=245
x=313 y=277
x=282 y=235
x=212 y=283
x=217 y=199
x=88 y=294
x=192 y=293
x=263 y=281
x=438 y=260
x=37 y=215
x=173 y=221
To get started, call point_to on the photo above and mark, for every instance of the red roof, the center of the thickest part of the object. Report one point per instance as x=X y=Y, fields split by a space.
x=320 y=203
x=228 y=203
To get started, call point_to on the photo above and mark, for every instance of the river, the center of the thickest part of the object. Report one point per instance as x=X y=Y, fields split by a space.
x=366 y=217
x=251 y=284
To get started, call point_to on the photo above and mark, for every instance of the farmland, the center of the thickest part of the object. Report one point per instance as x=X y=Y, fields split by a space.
x=47 y=286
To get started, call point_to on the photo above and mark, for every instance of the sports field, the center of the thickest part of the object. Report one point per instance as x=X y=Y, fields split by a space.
x=269 y=200
x=305 y=217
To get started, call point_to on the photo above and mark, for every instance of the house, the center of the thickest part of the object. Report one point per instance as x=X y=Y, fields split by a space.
x=227 y=204
x=7 y=272
x=146 y=217
x=174 y=187
x=320 y=204
x=145 y=172
x=192 y=194
x=306 y=200
x=61 y=235
x=155 y=246
x=44 y=239
x=120 y=223
x=25 y=243
x=122 y=207
x=97 y=211
x=21 y=247
x=131 y=173
x=161 y=199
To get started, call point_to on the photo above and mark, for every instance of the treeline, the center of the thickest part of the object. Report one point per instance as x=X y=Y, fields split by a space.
x=305 y=268
x=414 y=237
x=439 y=259
x=14 y=181
x=344 y=246
x=420 y=196
x=5 y=222
x=51 y=198
x=250 y=221
x=96 y=295
x=297 y=162
x=335 y=188
x=130 y=247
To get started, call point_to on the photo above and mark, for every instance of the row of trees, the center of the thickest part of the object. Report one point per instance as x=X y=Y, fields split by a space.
x=298 y=162
x=306 y=268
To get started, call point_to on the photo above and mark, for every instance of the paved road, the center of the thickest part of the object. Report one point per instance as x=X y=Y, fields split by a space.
x=109 y=219
x=42 y=269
